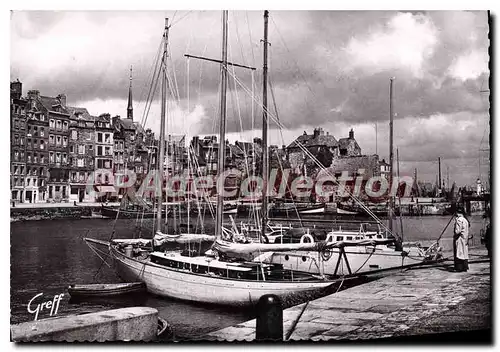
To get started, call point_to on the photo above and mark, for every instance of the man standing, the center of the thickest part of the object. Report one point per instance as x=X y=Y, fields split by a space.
x=460 y=239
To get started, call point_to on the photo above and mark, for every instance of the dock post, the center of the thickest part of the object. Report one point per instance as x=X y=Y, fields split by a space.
x=269 y=325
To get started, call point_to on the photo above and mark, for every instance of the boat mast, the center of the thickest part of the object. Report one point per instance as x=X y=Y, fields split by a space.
x=222 y=126
x=265 y=125
x=439 y=176
x=391 y=152
x=399 y=198
x=162 y=126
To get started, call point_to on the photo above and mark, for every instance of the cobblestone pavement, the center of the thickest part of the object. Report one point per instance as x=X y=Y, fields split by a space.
x=412 y=302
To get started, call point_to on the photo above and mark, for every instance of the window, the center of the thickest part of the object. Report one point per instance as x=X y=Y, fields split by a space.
x=73 y=177
x=22 y=141
x=35 y=158
x=42 y=145
x=29 y=158
x=106 y=178
x=71 y=148
x=28 y=142
x=81 y=149
x=51 y=123
x=42 y=117
x=42 y=159
x=65 y=125
x=107 y=151
x=42 y=132
x=58 y=124
x=16 y=139
x=16 y=156
x=82 y=176
x=99 y=137
x=107 y=164
x=51 y=139
x=74 y=135
x=65 y=141
x=51 y=157
x=99 y=150
x=58 y=140
x=80 y=162
x=64 y=158
x=58 y=157
x=90 y=146
x=90 y=136
x=22 y=154
x=107 y=138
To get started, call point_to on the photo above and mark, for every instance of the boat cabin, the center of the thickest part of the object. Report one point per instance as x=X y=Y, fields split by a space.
x=202 y=265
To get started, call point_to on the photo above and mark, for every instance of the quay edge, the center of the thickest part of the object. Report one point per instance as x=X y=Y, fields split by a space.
x=126 y=324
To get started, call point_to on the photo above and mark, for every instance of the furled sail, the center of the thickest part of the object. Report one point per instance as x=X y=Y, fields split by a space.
x=248 y=251
x=161 y=238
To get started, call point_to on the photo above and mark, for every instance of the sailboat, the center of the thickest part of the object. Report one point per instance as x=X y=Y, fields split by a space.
x=207 y=278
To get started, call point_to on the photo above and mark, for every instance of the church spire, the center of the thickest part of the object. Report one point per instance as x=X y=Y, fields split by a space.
x=130 y=110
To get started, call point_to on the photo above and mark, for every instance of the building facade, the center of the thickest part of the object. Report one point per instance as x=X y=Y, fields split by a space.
x=18 y=119
x=58 y=141
x=81 y=153
x=324 y=147
x=103 y=166
x=37 y=149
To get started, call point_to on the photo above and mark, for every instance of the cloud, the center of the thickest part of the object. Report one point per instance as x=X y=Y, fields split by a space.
x=470 y=66
x=406 y=41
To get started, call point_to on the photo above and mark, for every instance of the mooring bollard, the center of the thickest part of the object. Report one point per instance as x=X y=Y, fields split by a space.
x=269 y=319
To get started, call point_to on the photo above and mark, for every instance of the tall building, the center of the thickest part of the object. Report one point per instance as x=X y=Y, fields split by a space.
x=58 y=180
x=18 y=119
x=104 y=179
x=81 y=153
x=37 y=146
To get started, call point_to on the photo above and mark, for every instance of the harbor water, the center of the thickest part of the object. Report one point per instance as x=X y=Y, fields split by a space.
x=49 y=255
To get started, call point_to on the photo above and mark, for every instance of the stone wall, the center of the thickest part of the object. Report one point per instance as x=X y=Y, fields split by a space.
x=76 y=212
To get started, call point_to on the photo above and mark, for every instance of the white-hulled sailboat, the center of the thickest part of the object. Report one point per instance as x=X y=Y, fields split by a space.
x=207 y=278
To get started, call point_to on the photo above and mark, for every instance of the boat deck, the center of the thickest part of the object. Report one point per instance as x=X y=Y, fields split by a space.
x=407 y=304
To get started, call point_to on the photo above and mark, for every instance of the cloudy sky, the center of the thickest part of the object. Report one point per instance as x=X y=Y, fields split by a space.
x=328 y=69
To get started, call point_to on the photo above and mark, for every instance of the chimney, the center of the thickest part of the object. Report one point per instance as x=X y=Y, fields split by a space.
x=351 y=134
x=316 y=132
x=257 y=141
x=305 y=133
x=16 y=89
x=62 y=99
x=33 y=94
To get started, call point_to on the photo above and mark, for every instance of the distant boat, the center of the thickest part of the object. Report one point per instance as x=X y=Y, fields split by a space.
x=348 y=209
x=292 y=209
x=128 y=213
x=105 y=290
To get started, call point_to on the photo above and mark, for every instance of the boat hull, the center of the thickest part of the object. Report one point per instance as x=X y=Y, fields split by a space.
x=315 y=210
x=293 y=210
x=360 y=259
x=105 y=290
x=127 y=214
x=184 y=285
